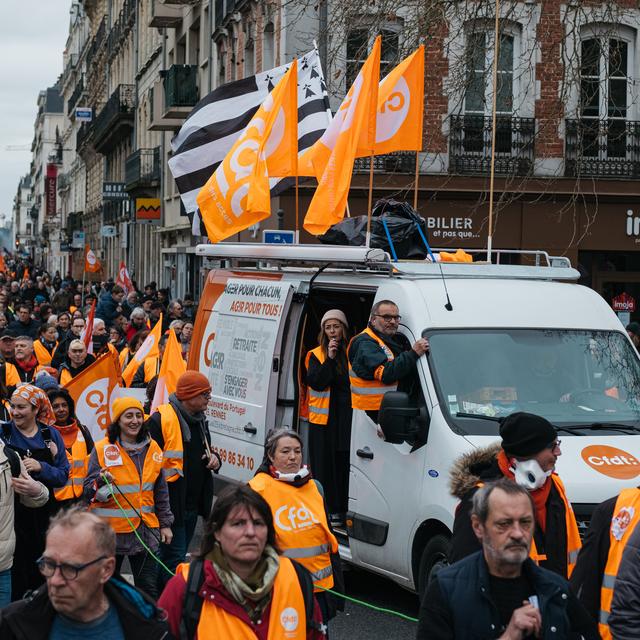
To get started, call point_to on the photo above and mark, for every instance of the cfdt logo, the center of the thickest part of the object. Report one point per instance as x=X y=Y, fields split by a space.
x=611 y=461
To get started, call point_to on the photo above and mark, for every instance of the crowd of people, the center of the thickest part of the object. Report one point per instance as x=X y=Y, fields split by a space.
x=74 y=509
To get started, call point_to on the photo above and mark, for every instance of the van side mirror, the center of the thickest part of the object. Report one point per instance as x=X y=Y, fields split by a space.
x=396 y=417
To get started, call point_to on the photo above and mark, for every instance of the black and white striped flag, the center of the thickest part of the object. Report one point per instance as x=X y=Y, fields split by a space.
x=217 y=121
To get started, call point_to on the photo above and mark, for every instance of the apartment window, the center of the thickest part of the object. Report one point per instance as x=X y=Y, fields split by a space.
x=222 y=71
x=249 y=59
x=359 y=44
x=268 y=48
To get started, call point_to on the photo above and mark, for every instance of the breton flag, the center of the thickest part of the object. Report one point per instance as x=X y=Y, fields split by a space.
x=218 y=120
x=332 y=156
x=91 y=390
x=148 y=349
x=237 y=195
x=172 y=367
x=123 y=278
x=400 y=108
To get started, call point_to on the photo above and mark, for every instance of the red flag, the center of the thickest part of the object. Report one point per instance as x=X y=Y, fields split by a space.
x=123 y=278
x=87 y=333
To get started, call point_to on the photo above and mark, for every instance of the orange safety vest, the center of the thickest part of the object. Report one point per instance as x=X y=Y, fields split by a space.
x=42 y=353
x=287 y=618
x=367 y=394
x=173 y=452
x=139 y=490
x=123 y=358
x=302 y=532
x=78 y=464
x=318 y=400
x=11 y=375
x=625 y=520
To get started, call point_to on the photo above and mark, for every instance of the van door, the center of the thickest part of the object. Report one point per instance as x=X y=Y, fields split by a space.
x=244 y=358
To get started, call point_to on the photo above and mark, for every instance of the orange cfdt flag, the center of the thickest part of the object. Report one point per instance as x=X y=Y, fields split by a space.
x=400 y=114
x=3 y=266
x=353 y=127
x=91 y=263
x=172 y=367
x=237 y=195
x=148 y=349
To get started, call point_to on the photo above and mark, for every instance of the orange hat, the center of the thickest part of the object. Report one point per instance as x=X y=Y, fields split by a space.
x=120 y=405
x=191 y=384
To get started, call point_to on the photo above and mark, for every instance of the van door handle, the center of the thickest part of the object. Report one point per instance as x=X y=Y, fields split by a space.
x=251 y=430
x=365 y=453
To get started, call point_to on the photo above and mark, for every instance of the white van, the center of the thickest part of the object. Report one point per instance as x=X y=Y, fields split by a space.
x=516 y=338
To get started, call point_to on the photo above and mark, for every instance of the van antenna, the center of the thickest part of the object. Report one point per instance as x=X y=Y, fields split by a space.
x=448 y=306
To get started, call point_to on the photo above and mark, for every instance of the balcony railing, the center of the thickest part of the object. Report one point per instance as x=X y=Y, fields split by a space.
x=119 y=110
x=398 y=162
x=97 y=41
x=85 y=132
x=121 y=27
x=75 y=96
x=602 y=148
x=113 y=211
x=142 y=169
x=181 y=85
x=470 y=145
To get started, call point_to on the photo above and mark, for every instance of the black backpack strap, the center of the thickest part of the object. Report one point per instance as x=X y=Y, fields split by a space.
x=306 y=584
x=6 y=431
x=192 y=605
x=14 y=461
x=46 y=434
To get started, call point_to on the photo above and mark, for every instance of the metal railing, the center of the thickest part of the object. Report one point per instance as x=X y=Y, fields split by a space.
x=602 y=148
x=121 y=103
x=142 y=169
x=470 y=145
x=97 y=41
x=181 y=85
x=75 y=96
x=85 y=132
x=121 y=27
x=397 y=162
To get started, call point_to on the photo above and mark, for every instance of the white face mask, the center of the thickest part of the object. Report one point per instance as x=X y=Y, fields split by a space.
x=529 y=474
x=293 y=477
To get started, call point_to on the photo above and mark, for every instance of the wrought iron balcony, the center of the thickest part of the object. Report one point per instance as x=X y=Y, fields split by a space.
x=142 y=169
x=121 y=27
x=97 y=41
x=115 y=121
x=602 y=148
x=113 y=211
x=84 y=135
x=470 y=145
x=180 y=86
x=398 y=162
x=75 y=96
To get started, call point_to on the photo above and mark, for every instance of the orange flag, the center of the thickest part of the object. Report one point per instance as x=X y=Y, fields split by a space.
x=237 y=195
x=353 y=127
x=91 y=263
x=26 y=275
x=3 y=266
x=172 y=367
x=148 y=349
x=400 y=108
x=91 y=390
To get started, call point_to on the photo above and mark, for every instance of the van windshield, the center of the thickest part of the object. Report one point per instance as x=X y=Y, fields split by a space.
x=572 y=378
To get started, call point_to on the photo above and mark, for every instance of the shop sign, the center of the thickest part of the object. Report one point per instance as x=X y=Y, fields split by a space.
x=114 y=191
x=148 y=209
x=50 y=189
x=77 y=240
x=624 y=302
x=451 y=227
x=84 y=114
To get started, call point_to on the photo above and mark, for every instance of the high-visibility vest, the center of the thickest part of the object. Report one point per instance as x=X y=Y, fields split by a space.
x=287 y=617
x=367 y=394
x=42 y=353
x=78 y=459
x=300 y=520
x=124 y=358
x=11 y=375
x=138 y=490
x=151 y=368
x=65 y=376
x=173 y=452
x=318 y=400
x=627 y=511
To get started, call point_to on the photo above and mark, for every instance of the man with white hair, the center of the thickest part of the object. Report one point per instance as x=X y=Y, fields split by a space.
x=78 y=361
x=25 y=360
x=137 y=322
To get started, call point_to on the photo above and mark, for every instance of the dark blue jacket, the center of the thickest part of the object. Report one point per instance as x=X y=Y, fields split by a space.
x=106 y=308
x=458 y=604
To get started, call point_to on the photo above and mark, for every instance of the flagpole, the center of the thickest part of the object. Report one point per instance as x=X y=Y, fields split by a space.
x=493 y=127
x=84 y=273
x=297 y=212
x=370 y=200
x=415 y=183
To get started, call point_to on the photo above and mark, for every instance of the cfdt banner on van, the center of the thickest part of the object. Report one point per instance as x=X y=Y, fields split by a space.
x=217 y=121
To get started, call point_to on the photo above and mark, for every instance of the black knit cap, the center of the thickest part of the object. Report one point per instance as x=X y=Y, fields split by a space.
x=525 y=434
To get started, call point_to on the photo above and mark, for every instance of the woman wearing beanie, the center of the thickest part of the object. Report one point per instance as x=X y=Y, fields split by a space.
x=330 y=412
x=180 y=429
x=78 y=445
x=126 y=485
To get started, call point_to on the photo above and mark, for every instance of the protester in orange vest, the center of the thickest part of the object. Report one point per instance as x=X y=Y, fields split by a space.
x=125 y=484
x=330 y=412
x=46 y=344
x=79 y=360
x=527 y=455
x=300 y=518
x=380 y=358
x=238 y=586
x=25 y=361
x=180 y=429
x=78 y=444
x=134 y=344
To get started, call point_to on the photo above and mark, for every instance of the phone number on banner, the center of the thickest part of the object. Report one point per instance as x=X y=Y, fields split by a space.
x=235 y=458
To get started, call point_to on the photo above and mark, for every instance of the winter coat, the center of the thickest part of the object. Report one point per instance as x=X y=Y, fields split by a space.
x=465 y=587
x=25 y=329
x=481 y=465
x=10 y=465
x=624 y=620
x=32 y=618
x=106 y=308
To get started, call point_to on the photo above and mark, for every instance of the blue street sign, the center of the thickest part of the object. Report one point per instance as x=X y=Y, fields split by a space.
x=269 y=236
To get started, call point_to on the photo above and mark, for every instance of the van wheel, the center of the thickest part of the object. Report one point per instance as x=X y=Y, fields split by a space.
x=434 y=557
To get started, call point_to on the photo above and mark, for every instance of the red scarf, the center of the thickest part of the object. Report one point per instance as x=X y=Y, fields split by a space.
x=539 y=496
x=28 y=365
x=69 y=433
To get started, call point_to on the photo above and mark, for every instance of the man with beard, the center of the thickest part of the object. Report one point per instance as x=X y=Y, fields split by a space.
x=499 y=592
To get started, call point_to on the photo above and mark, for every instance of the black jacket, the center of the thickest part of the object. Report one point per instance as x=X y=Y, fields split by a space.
x=32 y=618
x=29 y=329
x=458 y=605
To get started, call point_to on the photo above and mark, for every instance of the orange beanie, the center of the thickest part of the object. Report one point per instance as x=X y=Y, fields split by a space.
x=191 y=384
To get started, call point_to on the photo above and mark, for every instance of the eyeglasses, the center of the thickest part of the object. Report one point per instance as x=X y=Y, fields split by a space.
x=206 y=395
x=389 y=318
x=69 y=571
x=554 y=445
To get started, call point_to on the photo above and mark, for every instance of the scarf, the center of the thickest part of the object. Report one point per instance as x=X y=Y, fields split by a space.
x=539 y=496
x=254 y=594
x=27 y=365
x=49 y=346
x=187 y=420
x=69 y=433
